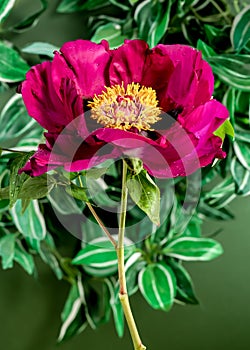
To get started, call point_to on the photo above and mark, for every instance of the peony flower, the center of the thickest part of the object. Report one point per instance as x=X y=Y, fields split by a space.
x=96 y=104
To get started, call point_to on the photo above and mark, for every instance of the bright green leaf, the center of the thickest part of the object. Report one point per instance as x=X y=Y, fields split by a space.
x=225 y=129
x=206 y=50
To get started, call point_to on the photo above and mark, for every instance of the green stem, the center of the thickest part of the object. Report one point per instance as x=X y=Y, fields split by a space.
x=123 y=295
x=98 y=220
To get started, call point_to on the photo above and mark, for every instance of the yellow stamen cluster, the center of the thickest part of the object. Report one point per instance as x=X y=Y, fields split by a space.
x=120 y=108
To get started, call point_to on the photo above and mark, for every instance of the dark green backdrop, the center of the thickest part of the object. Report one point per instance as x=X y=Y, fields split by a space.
x=30 y=309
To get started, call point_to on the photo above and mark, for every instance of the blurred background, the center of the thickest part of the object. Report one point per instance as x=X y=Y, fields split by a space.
x=30 y=307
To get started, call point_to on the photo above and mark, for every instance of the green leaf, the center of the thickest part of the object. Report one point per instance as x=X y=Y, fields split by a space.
x=16 y=180
x=240 y=31
x=225 y=129
x=214 y=213
x=142 y=16
x=7 y=250
x=229 y=102
x=111 y=32
x=157 y=284
x=185 y=290
x=160 y=25
x=77 y=192
x=212 y=33
x=24 y=259
x=45 y=251
x=5 y=8
x=241 y=177
x=37 y=187
x=116 y=307
x=73 y=316
x=145 y=193
x=5 y=193
x=12 y=67
x=96 y=173
x=41 y=48
x=206 y=50
x=193 y=249
x=63 y=203
x=99 y=257
x=30 y=21
x=118 y=4
x=31 y=223
x=69 y=6
x=242 y=134
x=241 y=150
x=133 y=266
x=233 y=70
x=17 y=125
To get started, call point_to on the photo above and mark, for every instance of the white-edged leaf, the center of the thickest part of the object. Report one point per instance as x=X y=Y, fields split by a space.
x=157 y=284
x=193 y=249
x=24 y=259
x=5 y=8
x=111 y=32
x=242 y=153
x=241 y=177
x=31 y=223
x=7 y=250
x=116 y=306
x=99 y=257
x=133 y=266
x=41 y=48
x=240 y=32
x=73 y=318
x=12 y=67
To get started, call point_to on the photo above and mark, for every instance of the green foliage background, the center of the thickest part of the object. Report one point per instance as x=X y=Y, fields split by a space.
x=221 y=31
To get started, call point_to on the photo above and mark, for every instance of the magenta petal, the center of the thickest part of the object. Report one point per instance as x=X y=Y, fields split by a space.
x=89 y=63
x=158 y=68
x=127 y=63
x=194 y=75
x=205 y=119
x=53 y=110
x=40 y=98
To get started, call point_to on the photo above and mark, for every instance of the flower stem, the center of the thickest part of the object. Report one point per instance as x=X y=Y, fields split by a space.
x=123 y=295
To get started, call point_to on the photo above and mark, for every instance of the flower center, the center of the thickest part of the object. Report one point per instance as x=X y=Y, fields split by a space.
x=120 y=108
